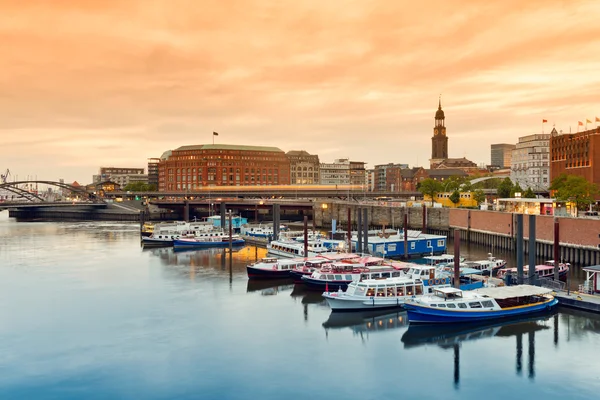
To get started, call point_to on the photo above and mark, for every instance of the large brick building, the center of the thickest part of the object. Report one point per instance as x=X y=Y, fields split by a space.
x=576 y=154
x=191 y=167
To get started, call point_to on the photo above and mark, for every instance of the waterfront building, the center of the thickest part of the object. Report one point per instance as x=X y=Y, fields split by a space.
x=530 y=166
x=304 y=168
x=576 y=154
x=343 y=172
x=125 y=179
x=191 y=167
x=501 y=155
x=153 y=171
x=370 y=177
x=107 y=173
x=388 y=177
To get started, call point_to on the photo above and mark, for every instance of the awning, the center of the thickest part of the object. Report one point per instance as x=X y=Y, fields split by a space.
x=507 y=292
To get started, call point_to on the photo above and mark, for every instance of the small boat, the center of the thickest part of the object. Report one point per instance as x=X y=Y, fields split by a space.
x=275 y=268
x=338 y=276
x=147 y=229
x=442 y=259
x=293 y=248
x=208 y=241
x=451 y=305
x=488 y=266
x=545 y=270
x=378 y=293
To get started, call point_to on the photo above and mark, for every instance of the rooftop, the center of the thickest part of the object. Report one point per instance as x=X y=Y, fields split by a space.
x=228 y=147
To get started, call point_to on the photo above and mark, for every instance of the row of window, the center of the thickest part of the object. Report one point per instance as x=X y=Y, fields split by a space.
x=473 y=304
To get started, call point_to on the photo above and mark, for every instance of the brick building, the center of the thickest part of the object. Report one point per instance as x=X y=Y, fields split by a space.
x=576 y=154
x=191 y=167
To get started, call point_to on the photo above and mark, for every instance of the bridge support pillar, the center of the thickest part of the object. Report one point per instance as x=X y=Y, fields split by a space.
x=186 y=211
x=532 y=251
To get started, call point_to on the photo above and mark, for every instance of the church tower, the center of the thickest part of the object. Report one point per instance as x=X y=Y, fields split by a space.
x=439 y=141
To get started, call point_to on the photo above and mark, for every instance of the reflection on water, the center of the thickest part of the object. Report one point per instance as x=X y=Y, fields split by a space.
x=85 y=312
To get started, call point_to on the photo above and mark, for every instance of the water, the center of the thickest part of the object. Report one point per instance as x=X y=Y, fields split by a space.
x=86 y=313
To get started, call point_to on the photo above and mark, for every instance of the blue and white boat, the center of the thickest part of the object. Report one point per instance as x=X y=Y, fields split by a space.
x=451 y=305
x=392 y=245
x=207 y=241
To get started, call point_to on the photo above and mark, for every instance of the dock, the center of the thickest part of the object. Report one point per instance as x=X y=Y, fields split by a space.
x=579 y=301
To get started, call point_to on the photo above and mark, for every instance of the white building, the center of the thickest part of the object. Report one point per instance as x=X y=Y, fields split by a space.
x=343 y=172
x=530 y=164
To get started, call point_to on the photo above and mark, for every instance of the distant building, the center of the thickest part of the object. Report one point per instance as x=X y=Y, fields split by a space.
x=108 y=173
x=370 y=177
x=501 y=155
x=343 y=172
x=467 y=166
x=153 y=171
x=576 y=154
x=125 y=179
x=388 y=177
x=304 y=168
x=192 y=167
x=530 y=164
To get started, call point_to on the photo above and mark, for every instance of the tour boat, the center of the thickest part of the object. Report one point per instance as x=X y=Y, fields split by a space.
x=442 y=259
x=378 y=293
x=260 y=231
x=165 y=233
x=209 y=239
x=545 y=270
x=318 y=262
x=293 y=248
x=488 y=266
x=451 y=305
x=338 y=275
x=277 y=268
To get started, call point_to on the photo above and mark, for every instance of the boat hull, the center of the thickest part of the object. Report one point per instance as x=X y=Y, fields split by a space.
x=324 y=285
x=297 y=276
x=264 y=273
x=344 y=304
x=418 y=314
x=200 y=245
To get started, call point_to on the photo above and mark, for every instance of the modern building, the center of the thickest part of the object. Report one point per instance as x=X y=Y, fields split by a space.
x=388 y=177
x=576 y=154
x=530 y=166
x=192 y=167
x=343 y=172
x=153 y=171
x=125 y=179
x=501 y=155
x=304 y=168
x=107 y=173
x=370 y=177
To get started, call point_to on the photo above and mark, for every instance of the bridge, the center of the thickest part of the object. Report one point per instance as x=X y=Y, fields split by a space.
x=17 y=187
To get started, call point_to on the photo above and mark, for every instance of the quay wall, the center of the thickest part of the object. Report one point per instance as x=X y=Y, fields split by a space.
x=579 y=238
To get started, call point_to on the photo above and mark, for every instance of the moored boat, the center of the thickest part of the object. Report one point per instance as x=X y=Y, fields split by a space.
x=207 y=240
x=293 y=248
x=545 y=270
x=451 y=305
x=339 y=275
x=275 y=268
x=487 y=266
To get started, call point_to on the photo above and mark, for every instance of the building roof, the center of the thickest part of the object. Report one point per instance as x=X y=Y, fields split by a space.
x=229 y=147
x=298 y=153
x=445 y=172
x=409 y=172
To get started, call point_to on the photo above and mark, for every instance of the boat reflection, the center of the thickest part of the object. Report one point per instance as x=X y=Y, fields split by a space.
x=308 y=296
x=269 y=287
x=367 y=321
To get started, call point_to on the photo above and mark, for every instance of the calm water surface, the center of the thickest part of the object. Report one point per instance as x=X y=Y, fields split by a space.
x=86 y=313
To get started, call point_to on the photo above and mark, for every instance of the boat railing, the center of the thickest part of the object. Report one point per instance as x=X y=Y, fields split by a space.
x=551 y=284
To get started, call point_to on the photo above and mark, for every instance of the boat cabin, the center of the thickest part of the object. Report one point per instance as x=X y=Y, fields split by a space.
x=591 y=284
x=393 y=287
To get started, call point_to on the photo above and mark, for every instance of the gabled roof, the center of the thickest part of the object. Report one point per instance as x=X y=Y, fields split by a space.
x=298 y=153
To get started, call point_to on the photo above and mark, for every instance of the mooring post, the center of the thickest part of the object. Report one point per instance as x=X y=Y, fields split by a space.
x=223 y=214
x=457 y=258
x=519 y=222
x=359 y=248
x=349 y=229
x=366 y=230
x=556 y=250
x=230 y=233
x=532 y=273
x=424 y=224
x=405 y=234
x=305 y=236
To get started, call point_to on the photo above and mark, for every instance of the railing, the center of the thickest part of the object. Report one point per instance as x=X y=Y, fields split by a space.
x=552 y=284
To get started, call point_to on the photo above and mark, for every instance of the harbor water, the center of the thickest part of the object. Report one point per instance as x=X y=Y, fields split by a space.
x=87 y=313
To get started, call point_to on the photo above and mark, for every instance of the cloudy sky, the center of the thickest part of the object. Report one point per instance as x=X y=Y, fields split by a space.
x=88 y=83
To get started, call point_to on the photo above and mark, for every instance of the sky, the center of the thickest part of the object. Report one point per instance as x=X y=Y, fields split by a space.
x=88 y=83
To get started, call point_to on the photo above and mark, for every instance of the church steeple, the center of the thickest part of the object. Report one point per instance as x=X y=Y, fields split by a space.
x=439 y=141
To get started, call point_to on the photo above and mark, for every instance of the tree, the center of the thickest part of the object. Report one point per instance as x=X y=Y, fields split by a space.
x=516 y=189
x=574 y=188
x=478 y=196
x=505 y=188
x=529 y=194
x=140 y=187
x=455 y=197
x=430 y=187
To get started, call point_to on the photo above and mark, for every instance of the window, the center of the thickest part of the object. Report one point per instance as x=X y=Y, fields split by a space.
x=487 y=303
x=338 y=277
x=475 y=304
x=462 y=305
x=348 y=277
x=412 y=245
x=451 y=305
x=441 y=243
x=441 y=305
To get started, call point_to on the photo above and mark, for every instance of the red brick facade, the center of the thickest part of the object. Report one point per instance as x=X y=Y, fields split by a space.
x=576 y=154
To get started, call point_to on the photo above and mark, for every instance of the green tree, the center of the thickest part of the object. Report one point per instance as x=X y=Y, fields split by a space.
x=430 y=187
x=478 y=196
x=505 y=188
x=516 y=189
x=574 y=188
x=455 y=197
x=529 y=194
x=140 y=187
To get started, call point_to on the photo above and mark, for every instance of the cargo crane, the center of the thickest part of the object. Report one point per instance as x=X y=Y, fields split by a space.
x=4 y=176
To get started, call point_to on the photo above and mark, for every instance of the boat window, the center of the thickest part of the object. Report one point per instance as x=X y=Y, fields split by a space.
x=409 y=290
x=385 y=275
x=475 y=304
x=487 y=303
x=400 y=290
x=348 y=277
x=441 y=305
x=380 y=291
x=330 y=277
x=451 y=305
x=338 y=277
x=418 y=290
x=375 y=276
x=462 y=305
x=390 y=291
x=371 y=292
x=364 y=276
x=434 y=305
x=360 y=291
x=395 y=274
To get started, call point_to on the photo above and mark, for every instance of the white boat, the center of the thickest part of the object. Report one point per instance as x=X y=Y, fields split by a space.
x=374 y=294
x=486 y=266
x=442 y=259
x=293 y=248
x=160 y=237
x=545 y=270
